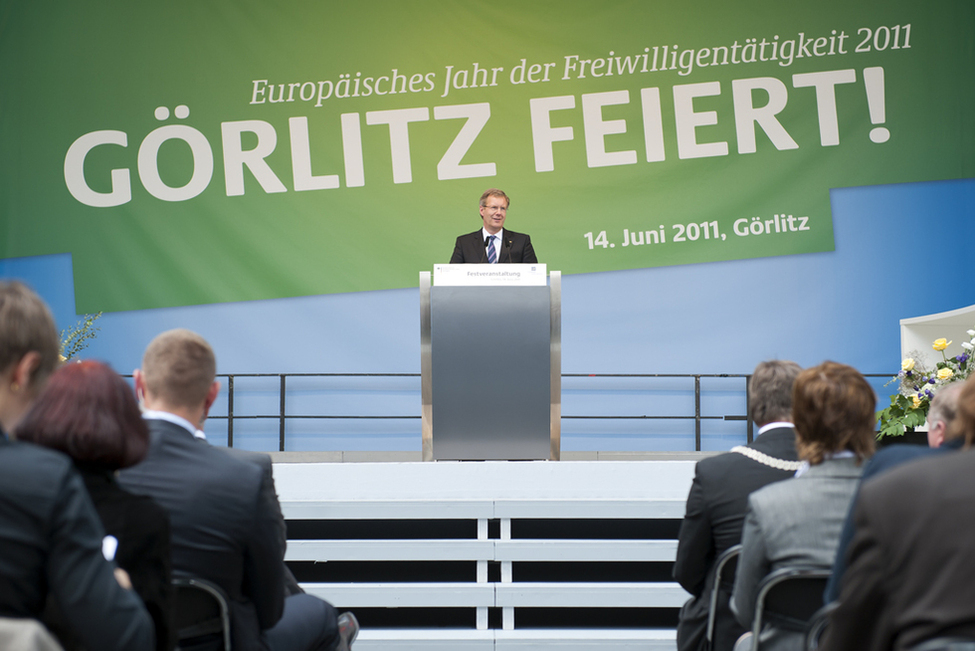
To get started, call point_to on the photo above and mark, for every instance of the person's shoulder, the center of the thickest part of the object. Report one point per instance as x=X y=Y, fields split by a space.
x=775 y=493
x=925 y=473
x=262 y=459
x=892 y=456
x=24 y=457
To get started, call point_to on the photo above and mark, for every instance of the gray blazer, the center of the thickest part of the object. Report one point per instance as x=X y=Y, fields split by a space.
x=791 y=523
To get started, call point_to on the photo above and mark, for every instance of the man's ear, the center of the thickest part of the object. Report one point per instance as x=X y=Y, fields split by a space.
x=24 y=369
x=212 y=394
x=140 y=385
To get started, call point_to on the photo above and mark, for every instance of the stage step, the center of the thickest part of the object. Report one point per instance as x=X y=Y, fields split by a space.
x=521 y=640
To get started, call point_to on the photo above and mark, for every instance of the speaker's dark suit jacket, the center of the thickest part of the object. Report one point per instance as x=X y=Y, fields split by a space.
x=713 y=522
x=51 y=542
x=911 y=576
x=223 y=528
x=514 y=247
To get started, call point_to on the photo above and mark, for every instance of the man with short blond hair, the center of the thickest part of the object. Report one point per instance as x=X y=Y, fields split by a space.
x=226 y=526
x=179 y=367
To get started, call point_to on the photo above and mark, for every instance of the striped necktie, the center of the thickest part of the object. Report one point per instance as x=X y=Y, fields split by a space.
x=492 y=256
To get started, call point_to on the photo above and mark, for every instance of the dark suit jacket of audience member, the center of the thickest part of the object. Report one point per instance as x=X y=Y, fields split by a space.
x=885 y=459
x=142 y=529
x=514 y=248
x=222 y=529
x=715 y=515
x=270 y=496
x=910 y=575
x=51 y=540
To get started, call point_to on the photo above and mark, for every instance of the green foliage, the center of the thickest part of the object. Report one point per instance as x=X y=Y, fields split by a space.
x=76 y=339
x=918 y=384
x=901 y=415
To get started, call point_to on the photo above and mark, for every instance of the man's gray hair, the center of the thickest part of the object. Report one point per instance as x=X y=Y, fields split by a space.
x=944 y=406
x=770 y=391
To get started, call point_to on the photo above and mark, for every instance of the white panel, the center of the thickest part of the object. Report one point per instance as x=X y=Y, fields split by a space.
x=489 y=480
x=581 y=508
x=591 y=595
x=586 y=550
x=586 y=640
x=430 y=509
x=424 y=640
x=404 y=595
x=390 y=550
x=515 y=640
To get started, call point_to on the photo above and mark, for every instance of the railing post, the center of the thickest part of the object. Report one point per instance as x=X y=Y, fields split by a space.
x=697 y=413
x=748 y=413
x=281 y=415
x=230 y=411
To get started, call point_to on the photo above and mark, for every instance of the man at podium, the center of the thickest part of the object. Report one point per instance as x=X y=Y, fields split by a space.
x=493 y=243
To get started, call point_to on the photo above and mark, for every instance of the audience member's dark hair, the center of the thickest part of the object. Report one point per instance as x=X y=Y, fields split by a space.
x=964 y=423
x=770 y=391
x=90 y=413
x=833 y=408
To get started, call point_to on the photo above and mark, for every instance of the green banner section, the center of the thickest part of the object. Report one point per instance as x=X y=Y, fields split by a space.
x=200 y=152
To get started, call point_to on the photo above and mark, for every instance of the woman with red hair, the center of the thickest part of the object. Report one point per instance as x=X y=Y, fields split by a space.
x=89 y=413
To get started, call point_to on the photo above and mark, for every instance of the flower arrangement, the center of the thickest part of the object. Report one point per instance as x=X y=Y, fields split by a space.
x=76 y=338
x=919 y=383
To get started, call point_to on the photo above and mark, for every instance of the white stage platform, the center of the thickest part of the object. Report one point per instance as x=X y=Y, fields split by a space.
x=517 y=515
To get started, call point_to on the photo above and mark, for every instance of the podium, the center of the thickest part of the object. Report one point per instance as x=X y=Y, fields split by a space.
x=491 y=362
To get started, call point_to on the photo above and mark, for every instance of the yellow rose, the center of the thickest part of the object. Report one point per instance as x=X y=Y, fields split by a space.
x=940 y=344
x=917 y=401
x=945 y=373
x=907 y=364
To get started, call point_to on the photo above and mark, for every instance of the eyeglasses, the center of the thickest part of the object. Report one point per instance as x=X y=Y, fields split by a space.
x=496 y=208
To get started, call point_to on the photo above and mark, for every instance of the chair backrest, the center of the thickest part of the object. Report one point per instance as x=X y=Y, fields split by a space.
x=722 y=577
x=818 y=623
x=202 y=616
x=788 y=598
x=946 y=644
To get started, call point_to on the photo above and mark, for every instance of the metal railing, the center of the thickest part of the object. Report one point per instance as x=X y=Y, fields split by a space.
x=283 y=416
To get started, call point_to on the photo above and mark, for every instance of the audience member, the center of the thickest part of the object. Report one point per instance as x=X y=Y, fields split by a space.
x=940 y=416
x=911 y=576
x=50 y=536
x=797 y=522
x=89 y=413
x=224 y=526
x=718 y=499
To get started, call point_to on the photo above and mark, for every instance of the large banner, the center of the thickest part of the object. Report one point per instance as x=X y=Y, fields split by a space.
x=196 y=152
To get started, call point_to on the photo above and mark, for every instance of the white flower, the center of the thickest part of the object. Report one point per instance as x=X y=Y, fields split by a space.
x=966 y=345
x=971 y=333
